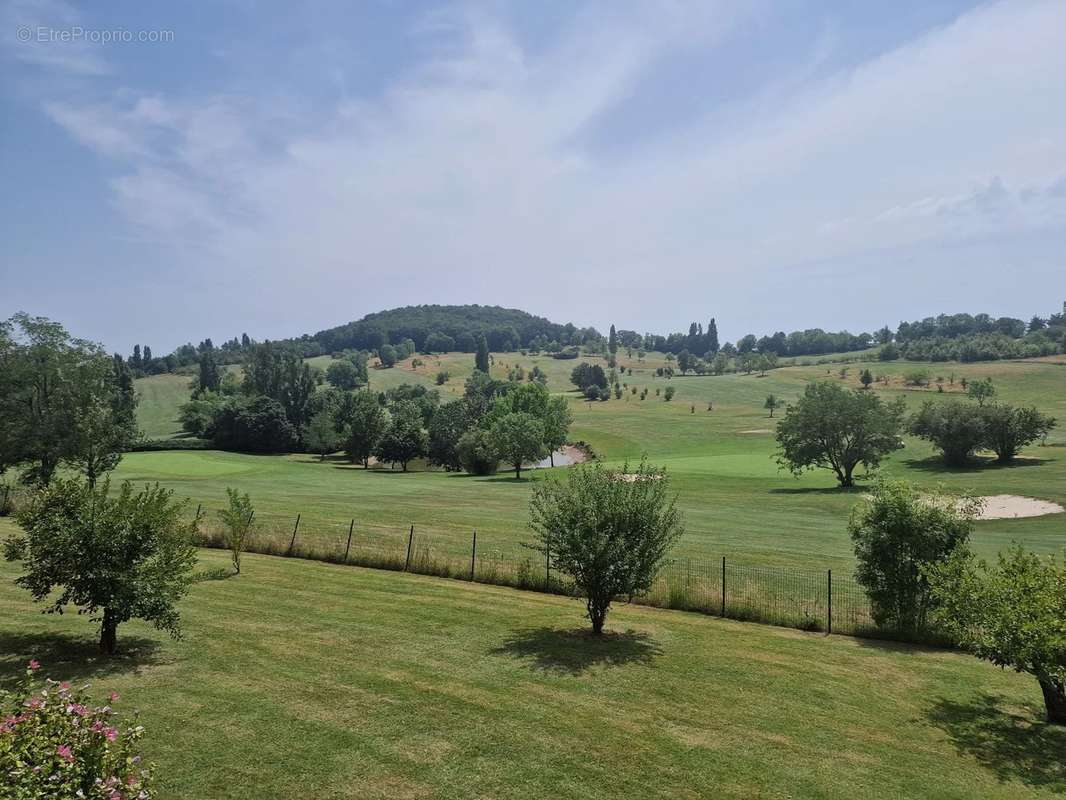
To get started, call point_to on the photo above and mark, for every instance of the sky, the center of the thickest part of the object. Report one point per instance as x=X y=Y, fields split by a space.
x=182 y=170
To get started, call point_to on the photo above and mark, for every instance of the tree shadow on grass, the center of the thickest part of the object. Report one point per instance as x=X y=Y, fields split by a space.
x=1013 y=743
x=979 y=464
x=572 y=652
x=820 y=490
x=76 y=658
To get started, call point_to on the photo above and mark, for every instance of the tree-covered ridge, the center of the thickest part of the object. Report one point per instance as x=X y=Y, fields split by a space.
x=443 y=328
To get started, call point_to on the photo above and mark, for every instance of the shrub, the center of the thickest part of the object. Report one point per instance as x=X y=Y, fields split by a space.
x=442 y=377
x=898 y=534
x=916 y=377
x=54 y=742
x=477 y=452
x=668 y=395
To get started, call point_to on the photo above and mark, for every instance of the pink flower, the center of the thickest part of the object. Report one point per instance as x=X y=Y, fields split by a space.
x=113 y=697
x=34 y=665
x=64 y=753
x=111 y=734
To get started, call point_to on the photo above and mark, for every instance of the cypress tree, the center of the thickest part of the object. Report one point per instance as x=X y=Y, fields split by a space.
x=712 y=336
x=612 y=341
x=481 y=357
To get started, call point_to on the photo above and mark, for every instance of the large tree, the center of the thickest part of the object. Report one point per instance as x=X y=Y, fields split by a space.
x=116 y=556
x=608 y=531
x=899 y=532
x=1012 y=613
x=61 y=399
x=835 y=428
x=556 y=422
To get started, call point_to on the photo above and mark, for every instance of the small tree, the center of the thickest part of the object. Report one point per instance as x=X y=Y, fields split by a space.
x=668 y=395
x=981 y=390
x=115 y=557
x=838 y=429
x=518 y=437
x=322 y=436
x=1012 y=614
x=772 y=403
x=898 y=533
x=365 y=422
x=866 y=378
x=442 y=377
x=608 y=531
x=957 y=429
x=1009 y=429
x=237 y=521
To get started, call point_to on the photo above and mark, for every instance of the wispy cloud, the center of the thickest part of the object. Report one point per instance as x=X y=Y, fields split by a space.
x=474 y=166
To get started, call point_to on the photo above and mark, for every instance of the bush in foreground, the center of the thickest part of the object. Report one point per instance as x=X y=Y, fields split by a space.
x=899 y=533
x=608 y=531
x=115 y=556
x=54 y=742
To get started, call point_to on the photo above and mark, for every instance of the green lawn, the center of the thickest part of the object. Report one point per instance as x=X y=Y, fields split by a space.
x=736 y=501
x=301 y=679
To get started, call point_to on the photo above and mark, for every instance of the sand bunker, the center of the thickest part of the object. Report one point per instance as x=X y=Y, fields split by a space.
x=1011 y=506
x=758 y=430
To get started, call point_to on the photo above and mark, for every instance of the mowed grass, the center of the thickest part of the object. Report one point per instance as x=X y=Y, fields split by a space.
x=302 y=679
x=737 y=502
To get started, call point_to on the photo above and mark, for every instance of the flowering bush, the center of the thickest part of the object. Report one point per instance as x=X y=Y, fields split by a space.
x=55 y=743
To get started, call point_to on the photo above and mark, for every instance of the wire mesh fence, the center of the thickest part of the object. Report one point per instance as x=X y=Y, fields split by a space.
x=812 y=600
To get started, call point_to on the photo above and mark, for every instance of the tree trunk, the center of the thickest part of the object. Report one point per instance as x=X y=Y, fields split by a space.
x=518 y=471
x=846 y=480
x=1054 y=700
x=551 y=456
x=108 y=633
x=597 y=615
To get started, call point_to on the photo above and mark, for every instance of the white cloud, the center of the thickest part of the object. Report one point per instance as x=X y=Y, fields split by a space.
x=472 y=179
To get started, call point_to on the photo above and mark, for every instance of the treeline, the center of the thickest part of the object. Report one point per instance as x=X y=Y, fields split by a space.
x=436 y=328
x=703 y=342
x=143 y=363
x=283 y=405
x=962 y=337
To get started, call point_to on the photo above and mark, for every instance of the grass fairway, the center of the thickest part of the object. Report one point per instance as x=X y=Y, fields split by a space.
x=736 y=501
x=300 y=679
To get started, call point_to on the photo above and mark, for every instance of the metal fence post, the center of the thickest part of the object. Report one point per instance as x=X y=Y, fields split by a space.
x=410 y=539
x=473 y=554
x=829 y=593
x=295 y=528
x=348 y=547
x=723 y=586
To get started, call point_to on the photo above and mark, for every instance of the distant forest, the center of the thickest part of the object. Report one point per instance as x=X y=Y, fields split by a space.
x=437 y=328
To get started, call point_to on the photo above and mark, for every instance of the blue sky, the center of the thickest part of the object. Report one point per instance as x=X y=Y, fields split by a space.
x=279 y=168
